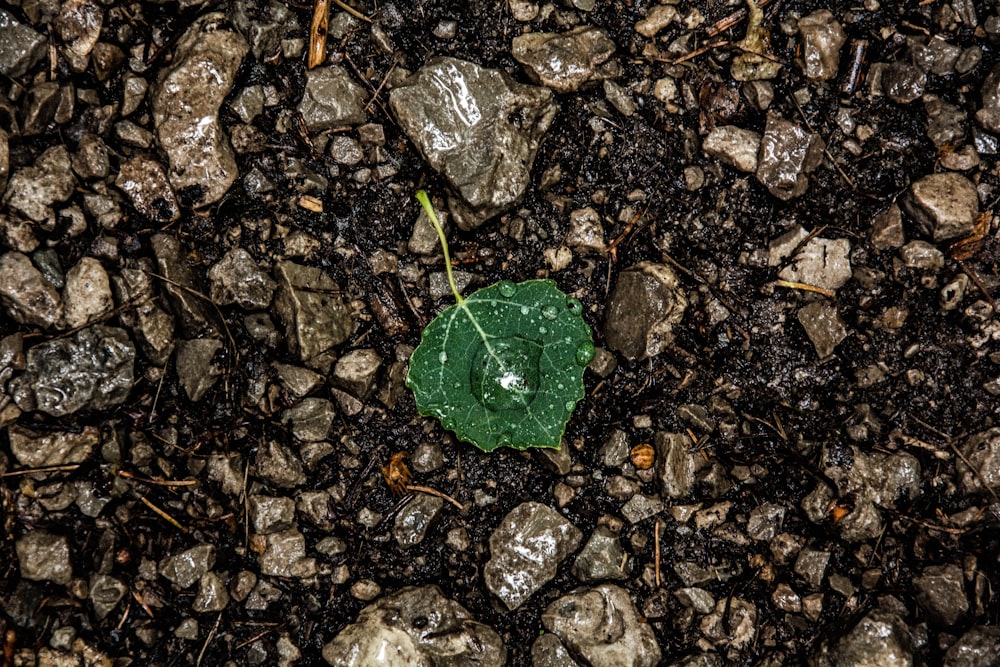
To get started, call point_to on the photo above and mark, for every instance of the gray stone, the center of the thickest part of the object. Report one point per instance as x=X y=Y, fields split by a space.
x=823 y=325
x=821 y=263
x=236 y=278
x=415 y=626
x=765 y=521
x=142 y=179
x=308 y=301
x=675 y=464
x=316 y=507
x=641 y=507
x=619 y=97
x=195 y=366
x=732 y=624
x=297 y=380
x=657 y=18
x=332 y=99
x=91 y=157
x=415 y=518
x=87 y=294
x=40 y=107
x=130 y=134
x=979 y=647
x=903 y=82
x=133 y=92
x=601 y=558
x=310 y=419
x=26 y=295
x=187 y=567
x=34 y=449
x=152 y=326
x=525 y=550
x=424 y=238
x=733 y=146
x=280 y=467
x=585 y=233
x=107 y=58
x=876 y=481
x=4 y=158
x=105 y=592
x=33 y=190
x=548 y=651
x=185 y=107
x=44 y=557
x=811 y=566
x=944 y=205
x=887 y=229
x=788 y=154
x=982 y=452
x=285 y=556
x=212 y=594
x=20 y=46
x=945 y=122
x=822 y=38
x=646 y=304
x=90 y=370
x=941 y=592
x=602 y=625
x=248 y=103
x=479 y=128
x=989 y=115
x=566 y=62
x=880 y=638
x=922 y=255
x=356 y=372
x=103 y=206
x=271 y=514
x=696 y=598
x=346 y=150
x=184 y=292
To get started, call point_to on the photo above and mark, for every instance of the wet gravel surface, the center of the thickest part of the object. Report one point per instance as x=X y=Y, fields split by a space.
x=213 y=271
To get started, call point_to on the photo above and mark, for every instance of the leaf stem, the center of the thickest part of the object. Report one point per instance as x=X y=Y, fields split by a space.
x=429 y=209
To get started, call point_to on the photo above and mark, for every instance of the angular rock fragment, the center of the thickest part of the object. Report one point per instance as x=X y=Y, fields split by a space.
x=788 y=154
x=733 y=146
x=20 y=46
x=332 y=99
x=25 y=293
x=33 y=190
x=309 y=303
x=981 y=451
x=823 y=325
x=567 y=61
x=989 y=114
x=236 y=278
x=187 y=567
x=45 y=557
x=944 y=205
x=477 y=127
x=196 y=367
x=822 y=38
x=152 y=326
x=87 y=294
x=186 y=298
x=186 y=105
x=879 y=638
x=646 y=304
x=143 y=180
x=35 y=449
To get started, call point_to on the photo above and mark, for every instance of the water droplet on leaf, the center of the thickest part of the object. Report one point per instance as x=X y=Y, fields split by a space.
x=549 y=312
x=443 y=357
x=584 y=353
x=507 y=288
x=505 y=375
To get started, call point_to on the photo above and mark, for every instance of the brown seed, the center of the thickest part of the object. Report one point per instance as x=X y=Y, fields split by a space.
x=642 y=456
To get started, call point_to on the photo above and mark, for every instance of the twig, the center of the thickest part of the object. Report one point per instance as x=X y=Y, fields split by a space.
x=157 y=482
x=979 y=284
x=434 y=492
x=318 y=32
x=208 y=639
x=808 y=288
x=351 y=10
x=656 y=549
x=166 y=517
x=31 y=471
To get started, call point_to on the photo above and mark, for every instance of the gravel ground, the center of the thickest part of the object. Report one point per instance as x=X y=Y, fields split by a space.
x=778 y=221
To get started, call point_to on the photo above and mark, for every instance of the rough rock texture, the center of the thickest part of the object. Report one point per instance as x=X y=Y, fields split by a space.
x=945 y=205
x=788 y=154
x=881 y=638
x=332 y=99
x=87 y=294
x=646 y=304
x=26 y=295
x=567 y=61
x=477 y=127
x=90 y=370
x=415 y=626
x=823 y=325
x=734 y=146
x=186 y=106
x=308 y=302
x=45 y=557
x=20 y=46
x=32 y=191
x=981 y=451
x=822 y=38
x=37 y=449
x=145 y=183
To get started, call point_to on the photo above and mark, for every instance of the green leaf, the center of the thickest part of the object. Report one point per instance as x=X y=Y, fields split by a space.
x=504 y=367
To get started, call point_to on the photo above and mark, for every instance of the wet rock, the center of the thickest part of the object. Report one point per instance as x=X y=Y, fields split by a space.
x=310 y=419
x=185 y=107
x=788 y=154
x=675 y=464
x=903 y=82
x=297 y=380
x=941 y=592
x=567 y=61
x=105 y=593
x=887 y=229
x=823 y=325
x=212 y=594
x=641 y=507
x=279 y=466
x=356 y=372
x=309 y=303
x=142 y=179
x=822 y=38
x=657 y=18
x=765 y=521
x=585 y=233
x=285 y=556
x=982 y=452
x=87 y=294
x=34 y=449
x=732 y=624
x=415 y=626
x=152 y=326
x=33 y=190
x=415 y=518
x=332 y=99
x=755 y=61
x=196 y=368
x=40 y=108
x=602 y=625
x=477 y=127
x=26 y=295
x=989 y=115
x=90 y=370
x=193 y=314
x=271 y=514
x=20 y=46
x=811 y=566
x=44 y=557
x=548 y=651
x=107 y=58
x=945 y=122
x=601 y=558
x=236 y=278
x=978 y=647
x=79 y=25
x=4 y=158
x=526 y=548
x=733 y=146
x=921 y=255
x=944 y=205
x=619 y=98
x=187 y=567
x=821 y=262
x=874 y=481
x=880 y=638
x=646 y=304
